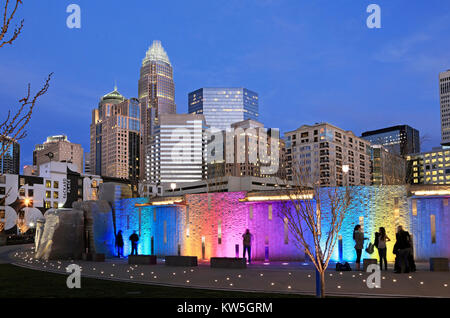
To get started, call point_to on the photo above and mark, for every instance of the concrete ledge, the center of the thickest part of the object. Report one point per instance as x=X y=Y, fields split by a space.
x=439 y=264
x=228 y=262
x=369 y=261
x=94 y=257
x=181 y=261
x=142 y=259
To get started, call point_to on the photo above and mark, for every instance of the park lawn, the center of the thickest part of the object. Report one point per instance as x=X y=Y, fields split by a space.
x=18 y=282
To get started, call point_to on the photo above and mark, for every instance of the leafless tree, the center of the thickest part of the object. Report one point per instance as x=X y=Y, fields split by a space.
x=314 y=217
x=13 y=127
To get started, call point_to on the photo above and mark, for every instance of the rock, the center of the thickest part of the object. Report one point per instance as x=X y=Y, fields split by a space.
x=99 y=227
x=62 y=236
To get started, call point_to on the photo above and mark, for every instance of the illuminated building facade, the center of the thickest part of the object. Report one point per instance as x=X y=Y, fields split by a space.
x=115 y=137
x=223 y=106
x=156 y=94
x=320 y=151
x=387 y=168
x=444 y=94
x=401 y=140
x=10 y=161
x=431 y=167
x=249 y=149
x=177 y=153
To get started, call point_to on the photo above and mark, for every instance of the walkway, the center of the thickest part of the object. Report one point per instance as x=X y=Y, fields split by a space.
x=273 y=277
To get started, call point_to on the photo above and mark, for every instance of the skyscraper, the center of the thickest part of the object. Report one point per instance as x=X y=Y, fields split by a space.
x=444 y=94
x=58 y=148
x=156 y=93
x=223 y=106
x=115 y=137
x=10 y=161
x=401 y=140
x=178 y=149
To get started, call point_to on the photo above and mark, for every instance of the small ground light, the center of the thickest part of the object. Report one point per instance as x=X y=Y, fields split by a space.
x=272 y=284
x=445 y=285
x=187 y=281
x=231 y=284
x=339 y=286
x=261 y=274
x=421 y=283
x=394 y=280
x=289 y=287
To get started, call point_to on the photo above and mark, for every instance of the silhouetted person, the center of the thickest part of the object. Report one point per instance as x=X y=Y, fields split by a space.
x=358 y=237
x=402 y=249
x=380 y=242
x=247 y=242
x=134 y=238
x=119 y=244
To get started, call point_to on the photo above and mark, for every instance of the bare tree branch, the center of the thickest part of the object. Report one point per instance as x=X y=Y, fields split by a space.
x=7 y=17
x=13 y=129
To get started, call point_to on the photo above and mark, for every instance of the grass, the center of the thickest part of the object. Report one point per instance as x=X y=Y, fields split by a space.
x=18 y=282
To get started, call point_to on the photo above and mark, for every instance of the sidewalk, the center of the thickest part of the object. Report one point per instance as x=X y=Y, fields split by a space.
x=274 y=277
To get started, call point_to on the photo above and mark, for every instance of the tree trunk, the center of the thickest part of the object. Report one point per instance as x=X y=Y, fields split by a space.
x=322 y=284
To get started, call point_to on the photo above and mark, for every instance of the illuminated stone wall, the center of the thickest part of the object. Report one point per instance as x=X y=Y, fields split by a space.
x=430 y=218
x=212 y=224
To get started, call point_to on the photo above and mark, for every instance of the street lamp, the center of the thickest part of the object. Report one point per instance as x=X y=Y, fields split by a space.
x=345 y=169
x=173 y=186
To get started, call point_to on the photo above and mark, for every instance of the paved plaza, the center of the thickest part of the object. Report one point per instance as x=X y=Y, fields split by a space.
x=274 y=277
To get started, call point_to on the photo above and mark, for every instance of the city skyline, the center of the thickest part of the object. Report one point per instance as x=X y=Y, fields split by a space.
x=77 y=87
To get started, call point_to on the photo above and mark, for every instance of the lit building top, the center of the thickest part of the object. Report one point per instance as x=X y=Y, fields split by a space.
x=156 y=52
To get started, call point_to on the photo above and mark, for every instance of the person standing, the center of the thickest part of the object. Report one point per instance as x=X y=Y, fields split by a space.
x=403 y=250
x=247 y=242
x=380 y=242
x=134 y=238
x=119 y=244
x=358 y=237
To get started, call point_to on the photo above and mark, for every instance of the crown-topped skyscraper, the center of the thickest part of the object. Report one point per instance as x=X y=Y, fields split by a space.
x=156 y=95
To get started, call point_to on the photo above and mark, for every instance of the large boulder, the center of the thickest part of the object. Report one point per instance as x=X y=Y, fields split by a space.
x=62 y=236
x=99 y=227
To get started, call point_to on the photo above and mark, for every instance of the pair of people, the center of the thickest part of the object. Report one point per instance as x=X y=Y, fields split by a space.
x=380 y=243
x=404 y=261
x=134 y=238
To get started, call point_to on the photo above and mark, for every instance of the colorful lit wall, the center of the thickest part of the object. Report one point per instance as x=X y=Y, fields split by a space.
x=207 y=225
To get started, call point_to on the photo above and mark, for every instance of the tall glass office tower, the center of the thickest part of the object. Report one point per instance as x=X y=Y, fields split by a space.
x=156 y=93
x=223 y=106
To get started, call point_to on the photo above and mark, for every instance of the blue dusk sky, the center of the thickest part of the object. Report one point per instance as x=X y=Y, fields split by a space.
x=309 y=61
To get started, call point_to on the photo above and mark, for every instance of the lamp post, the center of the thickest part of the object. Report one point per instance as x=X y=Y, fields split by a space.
x=345 y=169
x=173 y=185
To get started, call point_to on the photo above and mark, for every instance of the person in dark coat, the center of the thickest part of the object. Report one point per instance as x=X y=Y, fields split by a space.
x=247 y=244
x=402 y=250
x=134 y=238
x=119 y=244
x=358 y=237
